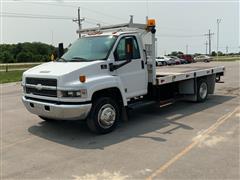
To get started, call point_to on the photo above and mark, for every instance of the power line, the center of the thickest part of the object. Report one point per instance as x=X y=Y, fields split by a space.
x=104 y=14
x=40 y=16
x=180 y=36
x=72 y=6
x=96 y=20
x=35 y=16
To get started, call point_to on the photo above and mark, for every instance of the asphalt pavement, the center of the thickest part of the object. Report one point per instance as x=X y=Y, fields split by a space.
x=182 y=141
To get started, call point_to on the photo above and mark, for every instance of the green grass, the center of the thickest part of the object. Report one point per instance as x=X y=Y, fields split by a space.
x=10 y=76
x=22 y=66
x=227 y=58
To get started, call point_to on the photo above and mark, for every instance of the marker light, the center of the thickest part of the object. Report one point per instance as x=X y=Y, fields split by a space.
x=82 y=78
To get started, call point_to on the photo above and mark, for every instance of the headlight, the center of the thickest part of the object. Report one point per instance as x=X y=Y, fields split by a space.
x=79 y=93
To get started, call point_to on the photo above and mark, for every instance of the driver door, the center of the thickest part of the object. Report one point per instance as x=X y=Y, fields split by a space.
x=134 y=74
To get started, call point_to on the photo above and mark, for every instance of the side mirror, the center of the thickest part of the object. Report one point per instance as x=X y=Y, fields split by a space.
x=115 y=54
x=60 y=50
x=129 y=48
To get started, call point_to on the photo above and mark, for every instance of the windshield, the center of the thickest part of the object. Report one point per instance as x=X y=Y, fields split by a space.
x=89 y=49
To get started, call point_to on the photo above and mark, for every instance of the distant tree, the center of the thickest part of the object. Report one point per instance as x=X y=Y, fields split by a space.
x=196 y=54
x=214 y=53
x=26 y=52
x=24 y=57
x=16 y=49
x=46 y=58
x=220 y=53
x=174 y=53
x=37 y=58
x=6 y=57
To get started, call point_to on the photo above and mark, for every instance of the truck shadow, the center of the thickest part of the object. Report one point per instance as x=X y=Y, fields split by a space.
x=142 y=122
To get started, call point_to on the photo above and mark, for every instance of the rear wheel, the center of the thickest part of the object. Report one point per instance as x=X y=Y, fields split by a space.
x=218 y=78
x=202 y=91
x=104 y=115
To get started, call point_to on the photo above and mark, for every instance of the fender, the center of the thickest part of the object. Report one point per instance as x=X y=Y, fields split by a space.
x=95 y=84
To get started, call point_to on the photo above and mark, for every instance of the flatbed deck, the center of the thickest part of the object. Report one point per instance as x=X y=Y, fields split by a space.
x=168 y=74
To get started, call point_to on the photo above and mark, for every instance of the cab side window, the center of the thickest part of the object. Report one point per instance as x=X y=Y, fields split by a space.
x=120 y=51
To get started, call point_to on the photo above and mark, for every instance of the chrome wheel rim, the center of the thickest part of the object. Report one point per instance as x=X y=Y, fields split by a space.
x=106 y=116
x=203 y=91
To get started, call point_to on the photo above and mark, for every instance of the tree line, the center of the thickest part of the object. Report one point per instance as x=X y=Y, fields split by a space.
x=41 y=52
x=26 y=52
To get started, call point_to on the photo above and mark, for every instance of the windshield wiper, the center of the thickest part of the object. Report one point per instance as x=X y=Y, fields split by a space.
x=78 y=59
x=61 y=59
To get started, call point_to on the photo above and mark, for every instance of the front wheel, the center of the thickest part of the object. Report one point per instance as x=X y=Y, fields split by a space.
x=202 y=91
x=104 y=115
x=46 y=119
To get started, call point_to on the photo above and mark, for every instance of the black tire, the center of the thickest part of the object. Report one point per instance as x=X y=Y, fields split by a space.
x=46 y=119
x=202 y=90
x=112 y=111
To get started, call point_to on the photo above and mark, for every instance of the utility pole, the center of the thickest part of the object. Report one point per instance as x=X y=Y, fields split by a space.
x=218 y=22
x=209 y=40
x=206 y=43
x=99 y=26
x=52 y=37
x=79 y=22
x=156 y=47
x=187 y=49
x=226 y=50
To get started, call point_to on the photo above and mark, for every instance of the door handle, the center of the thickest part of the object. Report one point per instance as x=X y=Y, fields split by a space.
x=142 y=63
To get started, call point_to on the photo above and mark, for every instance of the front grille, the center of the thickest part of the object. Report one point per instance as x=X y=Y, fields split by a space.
x=42 y=81
x=42 y=92
x=41 y=86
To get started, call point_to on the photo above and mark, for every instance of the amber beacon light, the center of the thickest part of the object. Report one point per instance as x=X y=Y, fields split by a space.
x=151 y=22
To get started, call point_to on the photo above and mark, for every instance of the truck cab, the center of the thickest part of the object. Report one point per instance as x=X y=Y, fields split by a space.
x=94 y=79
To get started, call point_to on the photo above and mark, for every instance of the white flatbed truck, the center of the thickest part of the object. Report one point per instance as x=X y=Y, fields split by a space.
x=108 y=70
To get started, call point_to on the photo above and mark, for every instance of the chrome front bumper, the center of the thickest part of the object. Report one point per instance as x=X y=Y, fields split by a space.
x=57 y=111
